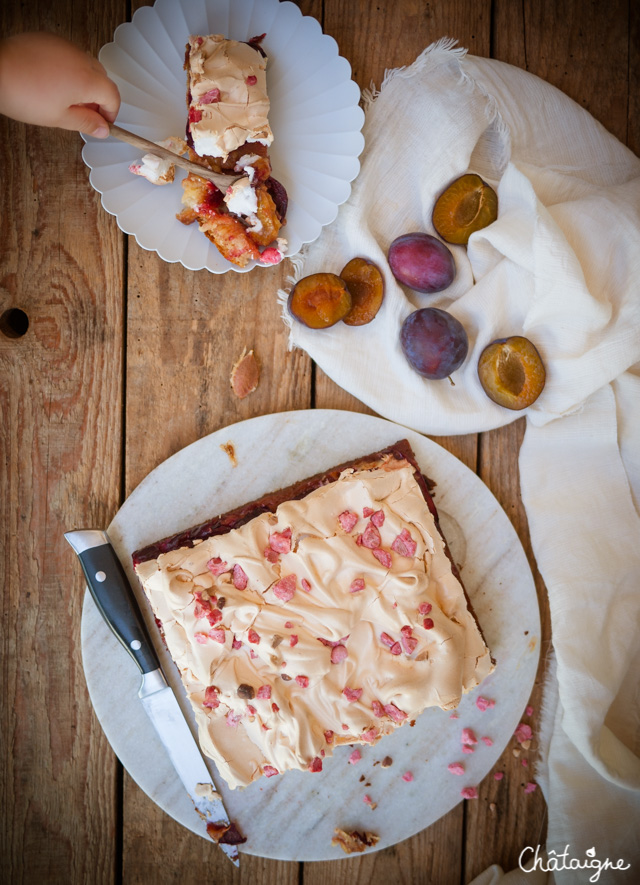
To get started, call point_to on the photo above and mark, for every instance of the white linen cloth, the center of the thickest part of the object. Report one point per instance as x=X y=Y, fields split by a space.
x=561 y=266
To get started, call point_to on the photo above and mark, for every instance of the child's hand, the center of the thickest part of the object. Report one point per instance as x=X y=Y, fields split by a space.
x=48 y=81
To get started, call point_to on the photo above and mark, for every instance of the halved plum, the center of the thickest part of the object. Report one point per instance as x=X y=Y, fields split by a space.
x=511 y=372
x=366 y=286
x=467 y=205
x=320 y=300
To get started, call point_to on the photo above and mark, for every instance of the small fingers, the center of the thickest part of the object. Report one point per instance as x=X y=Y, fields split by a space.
x=85 y=119
x=102 y=92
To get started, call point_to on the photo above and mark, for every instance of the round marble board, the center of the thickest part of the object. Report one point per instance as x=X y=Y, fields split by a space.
x=292 y=817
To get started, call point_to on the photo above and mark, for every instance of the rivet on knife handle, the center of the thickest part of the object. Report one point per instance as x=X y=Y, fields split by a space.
x=112 y=593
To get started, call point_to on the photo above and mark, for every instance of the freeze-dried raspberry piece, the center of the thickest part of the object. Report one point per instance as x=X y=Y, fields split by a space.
x=387 y=640
x=239 y=577
x=214 y=616
x=211 y=699
x=382 y=556
x=487 y=741
x=428 y=624
x=352 y=694
x=529 y=710
x=369 y=801
x=355 y=757
x=396 y=649
x=378 y=709
x=306 y=586
x=200 y=611
x=271 y=256
x=303 y=681
x=288 y=625
x=328 y=736
x=200 y=637
x=370 y=735
x=235 y=643
x=484 y=703
x=315 y=764
x=356 y=585
x=271 y=555
x=210 y=97
x=377 y=518
x=407 y=776
x=348 y=520
x=293 y=640
x=251 y=709
x=466 y=748
x=371 y=537
x=468 y=737
x=217 y=567
x=275 y=708
x=218 y=634
x=253 y=637
x=498 y=775
x=338 y=654
x=425 y=608
x=456 y=768
x=264 y=692
x=285 y=588
x=395 y=713
x=367 y=512
x=523 y=732
x=269 y=771
x=530 y=788
x=408 y=641
x=404 y=544
x=252 y=80
x=281 y=541
x=195 y=115
x=469 y=793
x=233 y=718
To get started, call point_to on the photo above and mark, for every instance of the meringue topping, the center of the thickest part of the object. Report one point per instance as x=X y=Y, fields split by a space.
x=228 y=95
x=333 y=620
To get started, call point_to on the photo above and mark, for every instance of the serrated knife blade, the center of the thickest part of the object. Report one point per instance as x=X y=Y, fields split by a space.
x=112 y=593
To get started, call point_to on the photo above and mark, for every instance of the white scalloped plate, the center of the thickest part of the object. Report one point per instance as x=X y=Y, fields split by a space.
x=315 y=117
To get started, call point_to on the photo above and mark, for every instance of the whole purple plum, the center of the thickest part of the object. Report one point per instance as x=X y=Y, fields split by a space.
x=434 y=342
x=421 y=262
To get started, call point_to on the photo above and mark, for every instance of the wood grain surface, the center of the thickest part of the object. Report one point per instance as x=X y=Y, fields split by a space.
x=126 y=360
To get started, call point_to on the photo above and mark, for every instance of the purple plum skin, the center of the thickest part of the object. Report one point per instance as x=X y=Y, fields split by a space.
x=421 y=262
x=434 y=342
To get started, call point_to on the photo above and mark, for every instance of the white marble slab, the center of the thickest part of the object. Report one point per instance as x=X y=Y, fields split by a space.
x=292 y=817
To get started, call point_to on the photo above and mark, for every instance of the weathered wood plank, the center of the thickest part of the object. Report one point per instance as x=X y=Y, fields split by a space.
x=60 y=443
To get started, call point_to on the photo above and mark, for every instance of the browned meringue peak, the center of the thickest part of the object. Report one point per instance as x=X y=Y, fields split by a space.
x=407 y=639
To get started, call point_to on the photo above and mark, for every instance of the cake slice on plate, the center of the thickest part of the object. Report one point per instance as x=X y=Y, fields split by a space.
x=326 y=613
x=228 y=130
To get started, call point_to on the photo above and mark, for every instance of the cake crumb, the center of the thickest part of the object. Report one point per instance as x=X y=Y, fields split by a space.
x=354 y=841
x=229 y=450
x=387 y=762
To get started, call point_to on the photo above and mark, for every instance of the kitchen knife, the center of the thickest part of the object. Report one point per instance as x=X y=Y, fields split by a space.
x=116 y=602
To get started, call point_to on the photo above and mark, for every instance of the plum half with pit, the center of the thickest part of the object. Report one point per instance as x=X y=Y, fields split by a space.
x=467 y=205
x=511 y=372
x=434 y=342
x=421 y=262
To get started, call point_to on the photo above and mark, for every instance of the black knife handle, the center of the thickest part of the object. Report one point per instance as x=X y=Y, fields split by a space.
x=114 y=597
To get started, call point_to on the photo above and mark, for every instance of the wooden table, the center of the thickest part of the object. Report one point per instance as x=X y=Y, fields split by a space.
x=126 y=360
